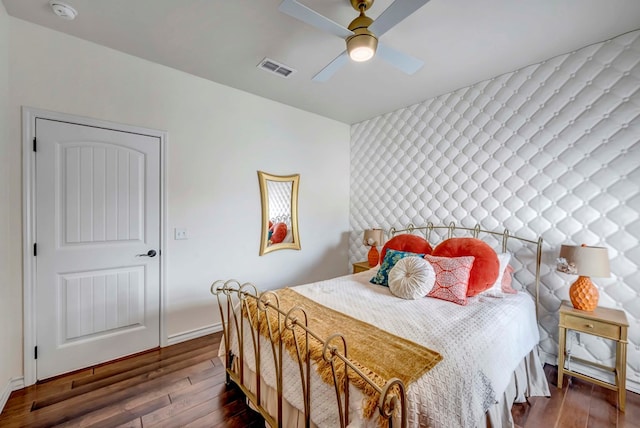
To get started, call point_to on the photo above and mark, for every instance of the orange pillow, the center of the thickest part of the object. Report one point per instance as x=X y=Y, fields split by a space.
x=279 y=233
x=486 y=266
x=408 y=243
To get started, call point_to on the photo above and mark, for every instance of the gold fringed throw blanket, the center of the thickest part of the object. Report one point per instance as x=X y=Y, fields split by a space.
x=377 y=353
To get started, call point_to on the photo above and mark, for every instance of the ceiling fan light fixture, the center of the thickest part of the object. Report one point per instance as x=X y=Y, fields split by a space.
x=362 y=47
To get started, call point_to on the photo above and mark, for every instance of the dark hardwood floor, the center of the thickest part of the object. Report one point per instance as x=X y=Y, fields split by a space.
x=183 y=386
x=577 y=404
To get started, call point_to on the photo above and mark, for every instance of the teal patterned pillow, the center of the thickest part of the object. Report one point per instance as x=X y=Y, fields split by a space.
x=391 y=257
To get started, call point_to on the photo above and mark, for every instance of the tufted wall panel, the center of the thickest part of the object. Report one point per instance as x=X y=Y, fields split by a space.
x=550 y=150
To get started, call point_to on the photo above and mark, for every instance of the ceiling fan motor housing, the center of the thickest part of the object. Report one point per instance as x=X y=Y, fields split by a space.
x=363 y=43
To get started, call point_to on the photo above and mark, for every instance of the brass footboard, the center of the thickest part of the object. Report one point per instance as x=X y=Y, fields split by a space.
x=233 y=302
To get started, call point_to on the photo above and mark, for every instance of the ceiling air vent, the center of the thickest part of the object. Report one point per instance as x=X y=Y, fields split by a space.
x=276 y=68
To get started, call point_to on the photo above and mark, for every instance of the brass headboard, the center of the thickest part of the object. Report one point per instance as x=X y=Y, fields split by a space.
x=504 y=236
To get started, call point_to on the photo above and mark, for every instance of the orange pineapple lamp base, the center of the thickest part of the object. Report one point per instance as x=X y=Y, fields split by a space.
x=373 y=256
x=584 y=295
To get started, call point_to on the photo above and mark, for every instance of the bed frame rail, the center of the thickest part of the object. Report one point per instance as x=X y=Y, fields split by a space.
x=233 y=301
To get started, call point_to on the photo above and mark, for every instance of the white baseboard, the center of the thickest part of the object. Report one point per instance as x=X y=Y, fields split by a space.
x=193 y=334
x=631 y=385
x=12 y=385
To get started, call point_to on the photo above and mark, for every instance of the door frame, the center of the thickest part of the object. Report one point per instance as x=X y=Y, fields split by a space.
x=29 y=116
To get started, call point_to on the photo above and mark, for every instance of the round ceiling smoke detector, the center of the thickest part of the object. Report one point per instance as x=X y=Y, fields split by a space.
x=63 y=10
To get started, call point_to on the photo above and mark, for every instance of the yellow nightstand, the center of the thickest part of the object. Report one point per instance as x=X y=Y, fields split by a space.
x=361 y=266
x=604 y=322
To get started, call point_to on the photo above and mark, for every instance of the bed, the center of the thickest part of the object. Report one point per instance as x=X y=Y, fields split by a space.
x=486 y=350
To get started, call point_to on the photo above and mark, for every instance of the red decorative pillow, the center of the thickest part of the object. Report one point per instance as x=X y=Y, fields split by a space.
x=452 y=278
x=279 y=233
x=408 y=243
x=486 y=266
x=506 y=281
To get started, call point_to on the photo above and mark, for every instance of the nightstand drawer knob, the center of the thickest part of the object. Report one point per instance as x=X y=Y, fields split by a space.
x=589 y=325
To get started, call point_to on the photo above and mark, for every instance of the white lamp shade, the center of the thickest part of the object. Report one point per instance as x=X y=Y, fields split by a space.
x=588 y=261
x=373 y=237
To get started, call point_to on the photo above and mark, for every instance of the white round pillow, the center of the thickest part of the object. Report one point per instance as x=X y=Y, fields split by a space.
x=411 y=278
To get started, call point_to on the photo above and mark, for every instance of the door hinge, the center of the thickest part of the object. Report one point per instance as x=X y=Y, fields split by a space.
x=35 y=249
x=35 y=352
x=34 y=144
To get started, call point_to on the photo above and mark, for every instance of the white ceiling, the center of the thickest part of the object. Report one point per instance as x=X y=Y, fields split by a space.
x=460 y=41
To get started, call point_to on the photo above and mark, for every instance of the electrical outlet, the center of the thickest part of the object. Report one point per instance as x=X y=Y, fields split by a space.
x=179 y=233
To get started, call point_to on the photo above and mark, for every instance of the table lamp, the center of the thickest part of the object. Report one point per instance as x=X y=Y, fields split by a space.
x=373 y=238
x=586 y=262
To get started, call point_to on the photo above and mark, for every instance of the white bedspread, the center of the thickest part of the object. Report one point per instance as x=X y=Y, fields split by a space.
x=481 y=344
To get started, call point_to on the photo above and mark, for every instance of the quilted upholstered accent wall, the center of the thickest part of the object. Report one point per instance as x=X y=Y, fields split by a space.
x=550 y=150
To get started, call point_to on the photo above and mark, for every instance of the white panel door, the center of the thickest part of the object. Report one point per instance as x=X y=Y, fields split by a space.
x=97 y=223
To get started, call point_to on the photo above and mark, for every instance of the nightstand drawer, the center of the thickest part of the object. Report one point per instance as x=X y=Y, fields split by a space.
x=592 y=327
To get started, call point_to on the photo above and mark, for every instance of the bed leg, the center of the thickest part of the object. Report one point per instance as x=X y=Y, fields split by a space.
x=227 y=380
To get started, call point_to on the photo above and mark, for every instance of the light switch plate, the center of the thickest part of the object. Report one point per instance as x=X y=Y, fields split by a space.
x=179 y=233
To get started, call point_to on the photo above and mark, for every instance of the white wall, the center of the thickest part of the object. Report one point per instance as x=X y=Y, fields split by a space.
x=550 y=150
x=10 y=301
x=218 y=138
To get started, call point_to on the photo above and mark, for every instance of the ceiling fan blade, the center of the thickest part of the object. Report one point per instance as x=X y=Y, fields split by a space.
x=331 y=68
x=395 y=13
x=398 y=59
x=313 y=18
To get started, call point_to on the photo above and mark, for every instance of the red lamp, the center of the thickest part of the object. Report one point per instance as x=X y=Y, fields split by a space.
x=586 y=262
x=373 y=238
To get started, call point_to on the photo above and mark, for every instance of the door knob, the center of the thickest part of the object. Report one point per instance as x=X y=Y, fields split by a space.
x=150 y=253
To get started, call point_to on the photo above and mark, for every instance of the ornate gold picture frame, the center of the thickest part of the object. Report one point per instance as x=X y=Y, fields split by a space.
x=279 y=197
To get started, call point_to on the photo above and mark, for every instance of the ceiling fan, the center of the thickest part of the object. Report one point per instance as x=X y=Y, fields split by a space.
x=362 y=34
